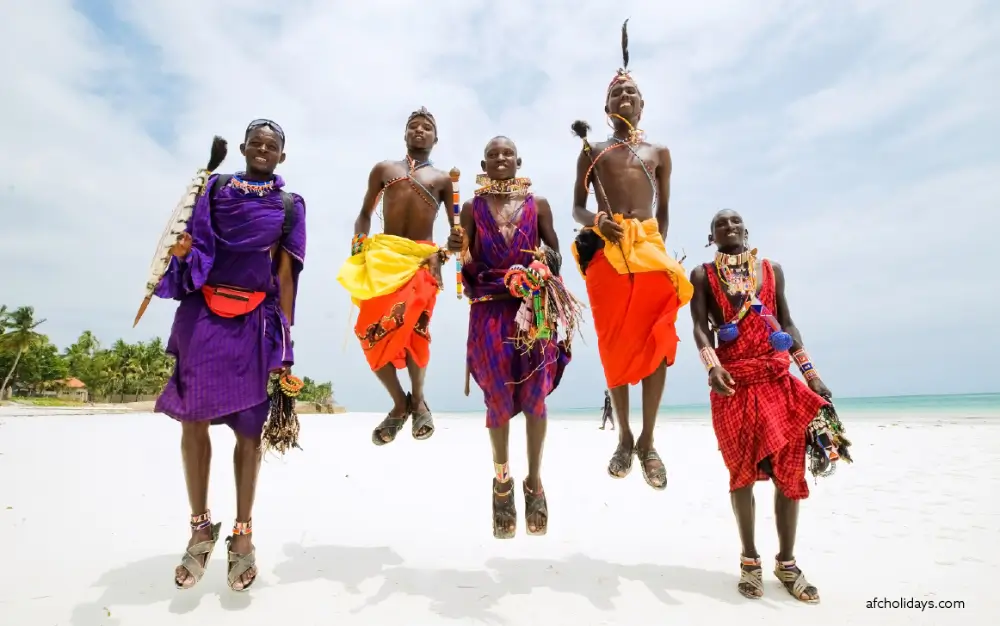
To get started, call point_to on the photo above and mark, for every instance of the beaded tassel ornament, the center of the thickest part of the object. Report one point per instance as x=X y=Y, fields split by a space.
x=826 y=442
x=546 y=304
x=281 y=431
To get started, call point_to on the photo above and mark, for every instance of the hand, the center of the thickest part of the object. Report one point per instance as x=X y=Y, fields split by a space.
x=183 y=246
x=284 y=370
x=610 y=229
x=721 y=382
x=456 y=240
x=433 y=264
x=820 y=389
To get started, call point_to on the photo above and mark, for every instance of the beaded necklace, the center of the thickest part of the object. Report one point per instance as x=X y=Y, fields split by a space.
x=518 y=186
x=738 y=272
x=635 y=137
x=251 y=187
x=412 y=166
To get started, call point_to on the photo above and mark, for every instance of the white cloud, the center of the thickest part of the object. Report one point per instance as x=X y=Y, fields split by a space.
x=854 y=140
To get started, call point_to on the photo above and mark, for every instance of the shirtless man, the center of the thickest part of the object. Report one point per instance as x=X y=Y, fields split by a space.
x=397 y=304
x=635 y=288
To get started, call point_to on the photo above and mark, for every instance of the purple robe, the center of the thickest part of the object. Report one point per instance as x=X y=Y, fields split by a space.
x=513 y=381
x=222 y=364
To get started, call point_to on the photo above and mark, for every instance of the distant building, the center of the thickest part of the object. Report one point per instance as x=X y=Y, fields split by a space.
x=72 y=389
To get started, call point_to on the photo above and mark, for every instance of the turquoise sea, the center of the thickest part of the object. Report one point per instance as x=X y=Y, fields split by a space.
x=887 y=408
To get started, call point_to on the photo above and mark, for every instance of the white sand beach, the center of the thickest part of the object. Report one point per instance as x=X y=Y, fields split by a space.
x=93 y=519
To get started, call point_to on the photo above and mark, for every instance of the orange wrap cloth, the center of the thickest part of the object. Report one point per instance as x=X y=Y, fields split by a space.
x=635 y=291
x=396 y=295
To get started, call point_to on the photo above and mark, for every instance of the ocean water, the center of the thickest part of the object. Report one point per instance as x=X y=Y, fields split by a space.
x=880 y=409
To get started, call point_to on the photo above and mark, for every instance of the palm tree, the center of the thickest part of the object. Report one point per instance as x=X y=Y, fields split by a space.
x=20 y=336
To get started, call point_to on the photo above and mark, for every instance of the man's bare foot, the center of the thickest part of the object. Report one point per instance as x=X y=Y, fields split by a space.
x=621 y=460
x=653 y=469
x=204 y=535
x=387 y=430
x=751 y=583
x=795 y=581
x=423 y=421
x=242 y=570
x=536 y=507
x=504 y=511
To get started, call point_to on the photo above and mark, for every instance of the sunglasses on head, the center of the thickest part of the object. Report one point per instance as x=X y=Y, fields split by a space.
x=260 y=123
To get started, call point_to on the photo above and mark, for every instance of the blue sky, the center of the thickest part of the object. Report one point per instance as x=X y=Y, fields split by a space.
x=858 y=139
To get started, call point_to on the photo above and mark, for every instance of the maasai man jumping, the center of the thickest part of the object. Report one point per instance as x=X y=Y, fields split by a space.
x=635 y=288
x=760 y=412
x=244 y=247
x=394 y=277
x=513 y=353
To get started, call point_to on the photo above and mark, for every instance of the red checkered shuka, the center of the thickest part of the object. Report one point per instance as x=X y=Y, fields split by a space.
x=771 y=409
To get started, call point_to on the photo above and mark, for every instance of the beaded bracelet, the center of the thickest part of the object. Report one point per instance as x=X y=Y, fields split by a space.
x=358 y=243
x=709 y=359
x=597 y=218
x=805 y=364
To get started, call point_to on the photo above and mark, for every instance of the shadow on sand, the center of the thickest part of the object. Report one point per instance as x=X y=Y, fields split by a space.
x=475 y=594
x=453 y=593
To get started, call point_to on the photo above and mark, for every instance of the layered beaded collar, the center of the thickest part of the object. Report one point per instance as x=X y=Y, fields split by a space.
x=518 y=186
x=742 y=258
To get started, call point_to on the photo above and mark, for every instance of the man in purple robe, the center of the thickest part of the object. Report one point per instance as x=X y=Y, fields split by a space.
x=235 y=273
x=497 y=227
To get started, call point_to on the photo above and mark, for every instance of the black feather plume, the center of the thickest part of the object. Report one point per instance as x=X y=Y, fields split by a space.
x=580 y=129
x=625 y=46
x=218 y=154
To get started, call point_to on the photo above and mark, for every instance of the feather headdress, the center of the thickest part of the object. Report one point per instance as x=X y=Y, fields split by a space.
x=623 y=74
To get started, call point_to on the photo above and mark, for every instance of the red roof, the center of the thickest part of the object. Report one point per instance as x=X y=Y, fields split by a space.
x=73 y=383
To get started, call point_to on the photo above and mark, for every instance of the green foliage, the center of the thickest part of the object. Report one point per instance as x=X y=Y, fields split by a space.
x=124 y=371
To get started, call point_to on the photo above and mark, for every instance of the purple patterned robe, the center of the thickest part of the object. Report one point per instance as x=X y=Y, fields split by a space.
x=222 y=364
x=493 y=360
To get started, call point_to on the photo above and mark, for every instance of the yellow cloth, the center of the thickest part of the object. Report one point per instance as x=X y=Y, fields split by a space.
x=641 y=249
x=385 y=264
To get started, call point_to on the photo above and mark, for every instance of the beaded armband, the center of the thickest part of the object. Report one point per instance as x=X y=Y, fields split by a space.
x=357 y=243
x=805 y=365
x=709 y=359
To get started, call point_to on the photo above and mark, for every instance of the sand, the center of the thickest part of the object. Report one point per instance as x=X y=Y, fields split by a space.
x=93 y=518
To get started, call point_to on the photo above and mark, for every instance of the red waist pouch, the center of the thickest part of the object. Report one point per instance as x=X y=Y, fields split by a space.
x=231 y=301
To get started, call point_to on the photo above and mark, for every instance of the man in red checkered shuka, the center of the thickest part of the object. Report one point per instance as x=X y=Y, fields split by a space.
x=760 y=412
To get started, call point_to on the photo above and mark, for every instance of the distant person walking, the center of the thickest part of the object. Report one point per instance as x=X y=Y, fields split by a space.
x=608 y=413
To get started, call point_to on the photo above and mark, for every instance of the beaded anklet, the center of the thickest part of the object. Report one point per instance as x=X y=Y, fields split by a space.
x=243 y=528
x=201 y=522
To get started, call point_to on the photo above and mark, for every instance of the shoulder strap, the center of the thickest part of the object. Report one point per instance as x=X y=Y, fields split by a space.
x=288 y=202
x=220 y=181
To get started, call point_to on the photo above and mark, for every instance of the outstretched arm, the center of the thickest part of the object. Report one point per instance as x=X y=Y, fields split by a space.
x=583 y=216
x=364 y=222
x=546 y=227
x=663 y=192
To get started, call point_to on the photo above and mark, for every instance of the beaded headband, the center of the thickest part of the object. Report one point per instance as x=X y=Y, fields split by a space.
x=423 y=112
x=623 y=74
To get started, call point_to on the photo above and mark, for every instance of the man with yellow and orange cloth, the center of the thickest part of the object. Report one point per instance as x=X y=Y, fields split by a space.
x=635 y=288
x=394 y=277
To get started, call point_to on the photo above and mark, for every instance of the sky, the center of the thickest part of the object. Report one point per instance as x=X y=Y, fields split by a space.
x=859 y=140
